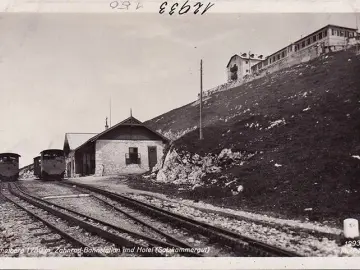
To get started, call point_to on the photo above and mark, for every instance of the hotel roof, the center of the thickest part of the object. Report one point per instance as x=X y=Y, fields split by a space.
x=245 y=56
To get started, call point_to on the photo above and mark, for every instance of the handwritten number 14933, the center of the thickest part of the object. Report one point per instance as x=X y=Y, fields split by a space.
x=183 y=9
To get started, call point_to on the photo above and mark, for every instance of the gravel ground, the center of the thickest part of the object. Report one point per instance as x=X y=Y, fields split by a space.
x=98 y=244
x=289 y=237
x=77 y=205
x=195 y=240
x=33 y=241
x=42 y=189
x=96 y=209
x=120 y=186
x=301 y=243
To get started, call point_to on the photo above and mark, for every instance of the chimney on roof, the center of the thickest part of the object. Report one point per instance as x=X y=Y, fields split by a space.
x=106 y=124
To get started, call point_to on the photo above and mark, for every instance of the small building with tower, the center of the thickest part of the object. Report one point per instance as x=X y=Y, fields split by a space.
x=240 y=65
x=129 y=147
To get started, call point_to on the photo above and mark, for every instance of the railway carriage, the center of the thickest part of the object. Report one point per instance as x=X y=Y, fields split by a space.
x=9 y=167
x=37 y=166
x=52 y=164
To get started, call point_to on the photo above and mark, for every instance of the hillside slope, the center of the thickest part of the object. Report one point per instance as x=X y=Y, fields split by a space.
x=297 y=132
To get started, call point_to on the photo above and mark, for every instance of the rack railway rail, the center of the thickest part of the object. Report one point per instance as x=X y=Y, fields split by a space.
x=241 y=245
x=114 y=234
x=48 y=233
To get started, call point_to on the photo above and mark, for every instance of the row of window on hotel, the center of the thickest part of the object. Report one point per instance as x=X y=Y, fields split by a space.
x=303 y=44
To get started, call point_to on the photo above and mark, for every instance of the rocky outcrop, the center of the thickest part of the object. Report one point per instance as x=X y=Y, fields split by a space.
x=191 y=169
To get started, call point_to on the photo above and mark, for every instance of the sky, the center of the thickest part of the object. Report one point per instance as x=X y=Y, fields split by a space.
x=58 y=71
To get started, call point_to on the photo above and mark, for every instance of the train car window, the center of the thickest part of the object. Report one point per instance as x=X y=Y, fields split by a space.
x=52 y=155
x=46 y=156
x=8 y=159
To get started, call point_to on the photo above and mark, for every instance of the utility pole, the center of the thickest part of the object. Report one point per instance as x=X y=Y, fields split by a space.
x=249 y=63
x=201 y=99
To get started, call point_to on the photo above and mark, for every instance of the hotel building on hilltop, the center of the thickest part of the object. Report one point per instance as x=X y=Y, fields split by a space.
x=240 y=65
x=327 y=39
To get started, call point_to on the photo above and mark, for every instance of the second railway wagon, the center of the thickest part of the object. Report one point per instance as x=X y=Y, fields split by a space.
x=9 y=167
x=52 y=164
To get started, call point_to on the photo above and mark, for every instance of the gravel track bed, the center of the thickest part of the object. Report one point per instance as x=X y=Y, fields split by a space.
x=95 y=209
x=93 y=241
x=90 y=239
x=128 y=237
x=121 y=186
x=24 y=236
x=43 y=189
x=194 y=240
x=300 y=242
x=98 y=210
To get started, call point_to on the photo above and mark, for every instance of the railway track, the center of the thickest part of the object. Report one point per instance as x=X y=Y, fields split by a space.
x=119 y=236
x=45 y=235
x=180 y=237
x=239 y=244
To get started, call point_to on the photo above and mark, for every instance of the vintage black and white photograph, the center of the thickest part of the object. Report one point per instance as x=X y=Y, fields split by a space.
x=179 y=135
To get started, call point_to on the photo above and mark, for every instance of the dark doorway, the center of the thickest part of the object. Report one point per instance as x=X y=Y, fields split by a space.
x=152 y=156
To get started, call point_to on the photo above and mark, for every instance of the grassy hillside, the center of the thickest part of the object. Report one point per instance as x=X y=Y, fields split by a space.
x=303 y=123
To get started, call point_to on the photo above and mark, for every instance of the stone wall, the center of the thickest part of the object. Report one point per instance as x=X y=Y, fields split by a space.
x=110 y=156
x=302 y=56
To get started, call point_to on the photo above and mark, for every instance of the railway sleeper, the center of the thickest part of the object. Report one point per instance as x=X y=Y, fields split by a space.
x=42 y=233
x=49 y=241
x=35 y=228
x=56 y=244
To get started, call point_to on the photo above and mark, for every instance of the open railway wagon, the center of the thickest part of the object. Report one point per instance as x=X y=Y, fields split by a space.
x=9 y=167
x=37 y=166
x=52 y=164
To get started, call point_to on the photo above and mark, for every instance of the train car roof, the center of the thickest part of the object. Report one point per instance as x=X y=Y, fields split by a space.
x=52 y=150
x=9 y=154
